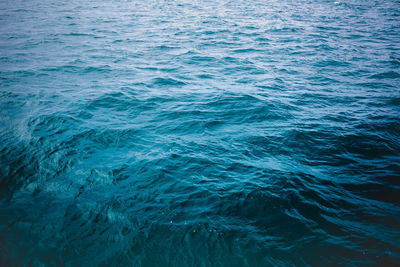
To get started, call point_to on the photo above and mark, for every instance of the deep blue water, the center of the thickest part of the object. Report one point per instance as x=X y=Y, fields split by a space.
x=199 y=133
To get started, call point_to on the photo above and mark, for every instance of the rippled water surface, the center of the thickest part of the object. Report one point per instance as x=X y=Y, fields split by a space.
x=199 y=133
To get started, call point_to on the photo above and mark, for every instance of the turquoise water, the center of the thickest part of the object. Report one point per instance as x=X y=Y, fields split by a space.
x=199 y=133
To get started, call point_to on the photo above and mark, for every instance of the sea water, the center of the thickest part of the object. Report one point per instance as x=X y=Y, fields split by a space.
x=199 y=133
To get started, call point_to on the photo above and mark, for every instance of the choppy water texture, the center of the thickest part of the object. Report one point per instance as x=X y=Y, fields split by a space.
x=200 y=133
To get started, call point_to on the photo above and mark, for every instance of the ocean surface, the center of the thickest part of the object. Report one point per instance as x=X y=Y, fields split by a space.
x=199 y=133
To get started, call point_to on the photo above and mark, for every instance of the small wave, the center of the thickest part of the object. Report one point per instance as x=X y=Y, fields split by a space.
x=245 y=50
x=167 y=82
x=386 y=75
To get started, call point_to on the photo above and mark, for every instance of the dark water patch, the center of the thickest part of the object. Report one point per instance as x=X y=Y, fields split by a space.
x=245 y=50
x=386 y=75
x=166 y=47
x=195 y=59
x=167 y=82
x=79 y=34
